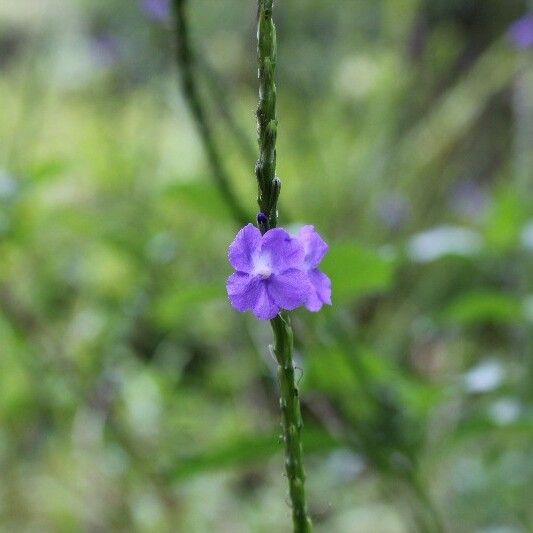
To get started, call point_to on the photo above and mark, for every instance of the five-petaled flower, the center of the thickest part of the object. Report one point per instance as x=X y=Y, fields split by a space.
x=277 y=271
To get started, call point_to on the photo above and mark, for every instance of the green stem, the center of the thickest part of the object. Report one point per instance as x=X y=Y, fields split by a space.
x=267 y=125
x=432 y=518
x=291 y=422
x=269 y=186
x=185 y=60
x=215 y=85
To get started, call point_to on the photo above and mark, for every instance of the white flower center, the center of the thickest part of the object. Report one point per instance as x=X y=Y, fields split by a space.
x=262 y=266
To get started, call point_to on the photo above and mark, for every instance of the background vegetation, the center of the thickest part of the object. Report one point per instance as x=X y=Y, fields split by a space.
x=132 y=398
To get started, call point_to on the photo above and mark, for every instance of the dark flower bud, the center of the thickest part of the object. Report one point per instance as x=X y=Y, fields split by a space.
x=262 y=219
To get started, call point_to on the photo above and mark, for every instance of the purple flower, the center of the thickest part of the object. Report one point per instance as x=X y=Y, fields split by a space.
x=520 y=33
x=269 y=275
x=156 y=9
x=314 y=250
x=394 y=210
x=469 y=198
x=105 y=49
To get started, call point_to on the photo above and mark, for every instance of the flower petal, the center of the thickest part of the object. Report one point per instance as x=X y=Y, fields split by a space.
x=265 y=308
x=321 y=290
x=290 y=289
x=315 y=247
x=243 y=290
x=284 y=250
x=241 y=250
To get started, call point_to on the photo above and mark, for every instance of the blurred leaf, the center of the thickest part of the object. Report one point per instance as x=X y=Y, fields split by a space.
x=479 y=424
x=202 y=197
x=505 y=220
x=329 y=371
x=458 y=108
x=356 y=271
x=17 y=392
x=174 y=303
x=47 y=168
x=249 y=450
x=486 y=306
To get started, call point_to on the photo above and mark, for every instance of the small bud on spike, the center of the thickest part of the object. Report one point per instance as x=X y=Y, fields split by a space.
x=262 y=219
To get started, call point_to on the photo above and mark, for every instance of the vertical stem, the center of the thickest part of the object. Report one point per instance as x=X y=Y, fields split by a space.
x=267 y=125
x=291 y=422
x=269 y=186
x=432 y=521
x=185 y=60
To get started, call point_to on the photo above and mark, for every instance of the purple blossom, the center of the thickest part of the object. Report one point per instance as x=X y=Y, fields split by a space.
x=314 y=251
x=105 y=49
x=394 y=210
x=469 y=198
x=269 y=275
x=520 y=33
x=158 y=10
x=277 y=271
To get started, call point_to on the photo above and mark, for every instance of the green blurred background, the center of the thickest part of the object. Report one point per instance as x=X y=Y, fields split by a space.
x=133 y=398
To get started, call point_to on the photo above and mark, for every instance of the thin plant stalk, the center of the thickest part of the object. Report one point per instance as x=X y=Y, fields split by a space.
x=185 y=59
x=268 y=191
x=291 y=422
x=217 y=91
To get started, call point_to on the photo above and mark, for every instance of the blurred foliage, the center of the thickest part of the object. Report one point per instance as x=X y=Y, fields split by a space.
x=132 y=398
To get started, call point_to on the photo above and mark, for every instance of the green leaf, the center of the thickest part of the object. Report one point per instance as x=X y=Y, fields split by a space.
x=356 y=271
x=248 y=450
x=177 y=301
x=505 y=220
x=483 y=306
x=329 y=371
x=47 y=168
x=202 y=197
